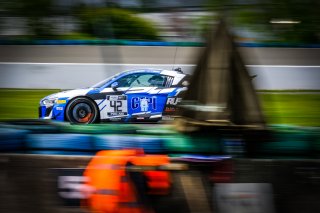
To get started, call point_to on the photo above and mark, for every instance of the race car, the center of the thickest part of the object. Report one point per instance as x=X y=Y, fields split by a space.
x=147 y=95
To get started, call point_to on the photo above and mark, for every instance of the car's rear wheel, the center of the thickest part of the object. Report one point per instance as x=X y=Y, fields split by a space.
x=82 y=111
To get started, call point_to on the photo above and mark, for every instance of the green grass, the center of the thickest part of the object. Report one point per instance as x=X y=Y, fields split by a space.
x=279 y=108
x=18 y=103
x=293 y=108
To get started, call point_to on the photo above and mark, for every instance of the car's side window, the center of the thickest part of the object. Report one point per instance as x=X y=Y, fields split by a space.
x=143 y=80
x=157 y=81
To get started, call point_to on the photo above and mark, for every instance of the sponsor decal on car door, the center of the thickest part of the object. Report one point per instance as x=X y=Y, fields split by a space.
x=146 y=101
x=133 y=102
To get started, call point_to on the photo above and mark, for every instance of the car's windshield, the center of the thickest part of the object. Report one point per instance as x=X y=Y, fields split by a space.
x=135 y=80
x=142 y=80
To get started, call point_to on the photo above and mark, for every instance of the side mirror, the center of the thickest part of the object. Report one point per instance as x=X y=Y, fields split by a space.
x=114 y=86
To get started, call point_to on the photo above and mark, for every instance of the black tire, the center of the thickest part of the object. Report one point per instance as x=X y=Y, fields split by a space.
x=82 y=111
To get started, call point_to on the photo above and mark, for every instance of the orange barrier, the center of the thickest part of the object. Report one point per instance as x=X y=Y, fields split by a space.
x=111 y=187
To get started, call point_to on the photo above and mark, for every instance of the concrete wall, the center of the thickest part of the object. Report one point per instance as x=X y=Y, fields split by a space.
x=69 y=76
x=29 y=184
x=67 y=67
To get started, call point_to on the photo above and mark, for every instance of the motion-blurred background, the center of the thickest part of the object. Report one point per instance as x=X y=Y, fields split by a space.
x=55 y=44
x=52 y=45
x=289 y=21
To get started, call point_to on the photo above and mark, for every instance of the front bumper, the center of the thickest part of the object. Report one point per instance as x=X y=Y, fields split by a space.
x=44 y=111
x=55 y=112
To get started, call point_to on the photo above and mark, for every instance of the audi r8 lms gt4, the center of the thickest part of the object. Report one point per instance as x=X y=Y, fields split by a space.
x=147 y=95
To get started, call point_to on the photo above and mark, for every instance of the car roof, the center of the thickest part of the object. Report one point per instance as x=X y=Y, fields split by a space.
x=152 y=70
x=178 y=75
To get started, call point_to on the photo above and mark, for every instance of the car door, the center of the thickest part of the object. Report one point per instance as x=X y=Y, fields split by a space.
x=112 y=101
x=146 y=97
x=135 y=97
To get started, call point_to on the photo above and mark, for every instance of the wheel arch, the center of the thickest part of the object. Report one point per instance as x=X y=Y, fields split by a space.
x=81 y=96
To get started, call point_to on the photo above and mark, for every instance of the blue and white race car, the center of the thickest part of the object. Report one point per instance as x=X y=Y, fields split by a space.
x=147 y=95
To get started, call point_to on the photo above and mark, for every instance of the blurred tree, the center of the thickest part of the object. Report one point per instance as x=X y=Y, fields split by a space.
x=116 y=24
x=300 y=18
x=35 y=12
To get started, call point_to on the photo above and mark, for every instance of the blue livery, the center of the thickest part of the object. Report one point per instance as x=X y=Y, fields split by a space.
x=147 y=95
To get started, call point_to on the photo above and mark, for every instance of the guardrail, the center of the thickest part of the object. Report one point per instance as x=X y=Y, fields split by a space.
x=55 y=138
x=146 y=43
x=45 y=137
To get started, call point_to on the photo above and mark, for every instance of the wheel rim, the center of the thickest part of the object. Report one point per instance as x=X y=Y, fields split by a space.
x=82 y=113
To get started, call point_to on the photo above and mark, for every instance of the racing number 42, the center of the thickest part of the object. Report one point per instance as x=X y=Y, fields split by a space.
x=116 y=105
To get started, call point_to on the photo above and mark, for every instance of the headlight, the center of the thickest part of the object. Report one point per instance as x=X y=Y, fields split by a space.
x=49 y=102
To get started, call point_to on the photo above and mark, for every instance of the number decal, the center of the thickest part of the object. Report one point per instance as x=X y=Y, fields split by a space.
x=116 y=105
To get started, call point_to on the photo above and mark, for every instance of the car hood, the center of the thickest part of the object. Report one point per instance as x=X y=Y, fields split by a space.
x=69 y=93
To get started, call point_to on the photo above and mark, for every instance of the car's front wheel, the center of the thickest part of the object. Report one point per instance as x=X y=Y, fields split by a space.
x=82 y=111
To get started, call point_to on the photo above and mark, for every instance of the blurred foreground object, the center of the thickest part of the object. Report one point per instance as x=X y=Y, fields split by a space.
x=114 y=187
x=221 y=91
